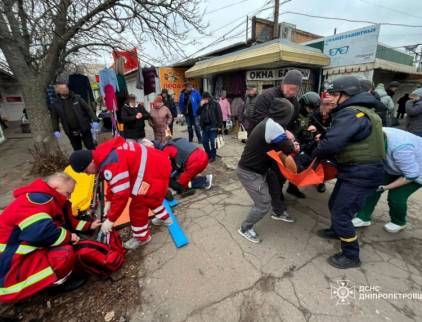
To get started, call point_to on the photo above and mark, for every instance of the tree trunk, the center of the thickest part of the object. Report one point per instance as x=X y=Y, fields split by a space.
x=35 y=96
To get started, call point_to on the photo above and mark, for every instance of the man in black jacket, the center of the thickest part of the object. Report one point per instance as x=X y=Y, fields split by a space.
x=211 y=121
x=288 y=89
x=76 y=117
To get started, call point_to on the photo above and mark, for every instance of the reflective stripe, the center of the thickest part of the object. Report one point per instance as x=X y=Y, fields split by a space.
x=120 y=187
x=141 y=234
x=159 y=209
x=46 y=272
x=119 y=176
x=139 y=228
x=61 y=237
x=33 y=219
x=141 y=171
x=81 y=225
x=22 y=249
x=349 y=240
x=162 y=214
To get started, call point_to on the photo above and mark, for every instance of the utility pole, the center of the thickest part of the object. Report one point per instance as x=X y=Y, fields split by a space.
x=276 y=13
x=247 y=28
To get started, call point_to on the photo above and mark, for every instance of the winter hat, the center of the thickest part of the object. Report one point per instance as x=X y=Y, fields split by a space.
x=293 y=77
x=80 y=159
x=281 y=111
x=417 y=92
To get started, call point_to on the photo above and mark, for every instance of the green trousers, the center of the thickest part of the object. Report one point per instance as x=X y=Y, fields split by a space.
x=397 y=201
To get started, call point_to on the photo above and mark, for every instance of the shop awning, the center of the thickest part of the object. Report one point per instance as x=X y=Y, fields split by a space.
x=257 y=56
x=378 y=64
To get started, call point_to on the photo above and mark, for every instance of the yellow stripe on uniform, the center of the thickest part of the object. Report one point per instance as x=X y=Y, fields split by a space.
x=16 y=288
x=61 y=237
x=33 y=219
x=81 y=225
x=22 y=249
x=349 y=240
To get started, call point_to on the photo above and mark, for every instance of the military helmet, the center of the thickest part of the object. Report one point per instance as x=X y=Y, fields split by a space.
x=310 y=99
x=349 y=85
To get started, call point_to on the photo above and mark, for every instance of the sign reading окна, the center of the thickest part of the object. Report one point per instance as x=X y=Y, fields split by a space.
x=273 y=74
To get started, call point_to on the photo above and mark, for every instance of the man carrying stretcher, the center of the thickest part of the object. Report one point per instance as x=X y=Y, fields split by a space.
x=133 y=171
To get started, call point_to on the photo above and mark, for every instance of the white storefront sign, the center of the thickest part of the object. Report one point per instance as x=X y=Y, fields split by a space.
x=273 y=74
x=354 y=47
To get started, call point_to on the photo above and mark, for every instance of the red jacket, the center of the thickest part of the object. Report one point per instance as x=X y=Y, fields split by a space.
x=32 y=223
x=131 y=170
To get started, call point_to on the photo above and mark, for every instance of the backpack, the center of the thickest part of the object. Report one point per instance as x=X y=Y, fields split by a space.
x=98 y=258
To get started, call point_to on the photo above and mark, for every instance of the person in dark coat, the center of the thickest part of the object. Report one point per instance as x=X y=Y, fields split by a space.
x=402 y=105
x=76 y=117
x=211 y=121
x=288 y=89
x=133 y=118
x=169 y=102
x=356 y=141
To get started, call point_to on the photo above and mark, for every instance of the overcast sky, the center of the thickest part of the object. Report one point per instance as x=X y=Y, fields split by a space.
x=391 y=11
x=222 y=20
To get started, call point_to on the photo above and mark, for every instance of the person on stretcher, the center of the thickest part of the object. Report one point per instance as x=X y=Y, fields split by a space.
x=313 y=125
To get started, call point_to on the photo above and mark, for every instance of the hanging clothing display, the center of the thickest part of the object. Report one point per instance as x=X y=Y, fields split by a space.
x=149 y=74
x=80 y=84
x=108 y=87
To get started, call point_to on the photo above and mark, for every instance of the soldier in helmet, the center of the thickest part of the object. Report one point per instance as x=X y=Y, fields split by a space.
x=356 y=141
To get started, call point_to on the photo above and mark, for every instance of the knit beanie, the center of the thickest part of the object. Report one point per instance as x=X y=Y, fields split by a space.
x=281 y=111
x=293 y=77
x=417 y=92
x=80 y=159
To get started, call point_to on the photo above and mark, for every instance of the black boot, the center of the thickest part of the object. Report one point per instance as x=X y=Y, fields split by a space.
x=327 y=233
x=294 y=190
x=321 y=188
x=72 y=283
x=341 y=261
x=182 y=191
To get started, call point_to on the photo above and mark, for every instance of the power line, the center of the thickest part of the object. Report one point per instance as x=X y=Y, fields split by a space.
x=254 y=12
x=225 y=7
x=391 y=9
x=350 y=20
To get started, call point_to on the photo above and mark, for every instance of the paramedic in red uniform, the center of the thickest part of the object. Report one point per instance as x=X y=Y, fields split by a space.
x=189 y=161
x=35 y=246
x=131 y=170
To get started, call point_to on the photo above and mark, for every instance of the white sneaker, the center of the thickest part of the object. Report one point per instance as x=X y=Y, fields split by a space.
x=250 y=235
x=209 y=182
x=393 y=228
x=159 y=222
x=135 y=243
x=357 y=222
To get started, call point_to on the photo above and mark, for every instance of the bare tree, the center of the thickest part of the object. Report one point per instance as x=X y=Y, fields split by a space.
x=38 y=38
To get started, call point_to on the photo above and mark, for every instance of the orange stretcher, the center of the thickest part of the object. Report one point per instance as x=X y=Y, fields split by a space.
x=315 y=174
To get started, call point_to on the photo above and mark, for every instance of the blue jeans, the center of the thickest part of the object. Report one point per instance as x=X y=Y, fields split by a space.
x=208 y=141
x=418 y=133
x=193 y=122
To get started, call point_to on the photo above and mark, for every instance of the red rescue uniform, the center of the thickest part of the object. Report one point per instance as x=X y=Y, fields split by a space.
x=35 y=249
x=135 y=171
